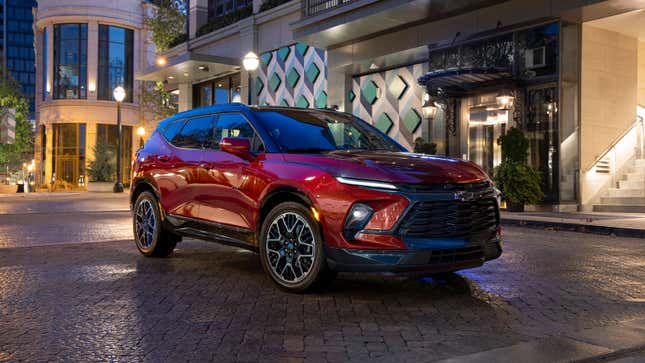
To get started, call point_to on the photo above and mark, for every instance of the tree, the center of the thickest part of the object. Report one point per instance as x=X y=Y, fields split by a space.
x=103 y=167
x=22 y=150
x=157 y=101
x=168 y=25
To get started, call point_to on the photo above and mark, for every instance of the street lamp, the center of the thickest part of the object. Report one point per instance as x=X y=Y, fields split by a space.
x=250 y=63
x=119 y=96
x=141 y=131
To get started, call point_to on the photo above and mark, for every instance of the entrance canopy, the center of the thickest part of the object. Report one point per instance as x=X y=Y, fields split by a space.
x=188 y=67
x=461 y=81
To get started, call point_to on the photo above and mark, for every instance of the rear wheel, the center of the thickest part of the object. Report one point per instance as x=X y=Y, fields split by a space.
x=151 y=238
x=291 y=249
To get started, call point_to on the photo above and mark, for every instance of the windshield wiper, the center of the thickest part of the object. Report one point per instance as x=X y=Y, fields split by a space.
x=308 y=150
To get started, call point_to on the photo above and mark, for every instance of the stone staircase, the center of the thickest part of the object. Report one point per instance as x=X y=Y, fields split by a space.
x=629 y=194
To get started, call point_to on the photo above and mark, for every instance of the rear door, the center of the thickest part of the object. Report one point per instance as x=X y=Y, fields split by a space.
x=182 y=174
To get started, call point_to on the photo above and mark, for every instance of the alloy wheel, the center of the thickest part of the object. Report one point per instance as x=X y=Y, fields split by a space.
x=145 y=223
x=291 y=247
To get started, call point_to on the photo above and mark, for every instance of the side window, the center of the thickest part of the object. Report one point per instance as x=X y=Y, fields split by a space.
x=196 y=133
x=235 y=125
x=172 y=130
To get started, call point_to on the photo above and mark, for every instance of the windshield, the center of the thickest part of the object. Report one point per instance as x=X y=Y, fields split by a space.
x=321 y=131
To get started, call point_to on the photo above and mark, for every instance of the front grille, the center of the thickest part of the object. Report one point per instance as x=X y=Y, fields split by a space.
x=444 y=187
x=449 y=218
x=454 y=255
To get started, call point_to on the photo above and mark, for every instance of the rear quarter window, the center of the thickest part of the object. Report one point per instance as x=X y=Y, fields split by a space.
x=172 y=130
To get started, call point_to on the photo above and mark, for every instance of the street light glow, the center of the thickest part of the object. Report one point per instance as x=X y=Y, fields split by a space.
x=251 y=62
x=141 y=131
x=161 y=61
x=119 y=94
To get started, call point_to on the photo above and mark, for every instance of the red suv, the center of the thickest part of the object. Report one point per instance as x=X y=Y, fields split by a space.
x=313 y=192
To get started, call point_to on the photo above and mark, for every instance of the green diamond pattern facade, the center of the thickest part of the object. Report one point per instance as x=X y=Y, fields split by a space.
x=321 y=100
x=312 y=72
x=391 y=100
x=274 y=82
x=370 y=92
x=384 y=123
x=412 y=120
x=293 y=77
x=302 y=102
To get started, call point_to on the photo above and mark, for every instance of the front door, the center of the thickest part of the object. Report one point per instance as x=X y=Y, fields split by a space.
x=486 y=123
x=229 y=177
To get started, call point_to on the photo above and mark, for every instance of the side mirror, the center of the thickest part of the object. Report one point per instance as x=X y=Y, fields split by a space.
x=236 y=145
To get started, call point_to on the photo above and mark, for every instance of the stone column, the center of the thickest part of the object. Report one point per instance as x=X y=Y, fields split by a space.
x=90 y=142
x=248 y=43
x=185 y=96
x=49 y=131
x=92 y=60
x=198 y=16
x=49 y=86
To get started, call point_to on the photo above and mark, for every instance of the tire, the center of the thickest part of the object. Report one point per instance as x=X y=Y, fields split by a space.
x=151 y=238
x=288 y=236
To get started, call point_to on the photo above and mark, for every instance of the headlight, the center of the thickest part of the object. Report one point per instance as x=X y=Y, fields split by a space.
x=366 y=183
x=357 y=218
x=498 y=196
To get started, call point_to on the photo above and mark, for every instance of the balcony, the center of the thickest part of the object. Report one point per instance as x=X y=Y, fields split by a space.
x=313 y=7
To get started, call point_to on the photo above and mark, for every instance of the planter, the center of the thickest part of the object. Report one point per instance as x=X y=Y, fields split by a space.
x=100 y=187
x=514 y=207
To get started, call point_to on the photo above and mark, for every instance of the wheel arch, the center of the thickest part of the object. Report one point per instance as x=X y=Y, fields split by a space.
x=141 y=186
x=281 y=195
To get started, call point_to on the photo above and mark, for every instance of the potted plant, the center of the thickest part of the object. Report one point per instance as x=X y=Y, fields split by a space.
x=421 y=146
x=518 y=181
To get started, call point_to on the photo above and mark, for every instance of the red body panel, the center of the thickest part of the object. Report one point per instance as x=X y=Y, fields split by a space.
x=217 y=186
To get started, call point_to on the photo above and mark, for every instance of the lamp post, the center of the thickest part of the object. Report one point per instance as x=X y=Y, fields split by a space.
x=141 y=131
x=119 y=96
x=250 y=63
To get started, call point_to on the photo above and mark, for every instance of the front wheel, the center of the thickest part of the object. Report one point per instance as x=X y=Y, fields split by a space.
x=151 y=238
x=291 y=249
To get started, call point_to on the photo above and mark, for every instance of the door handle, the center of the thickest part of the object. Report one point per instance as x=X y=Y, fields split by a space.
x=206 y=165
x=163 y=158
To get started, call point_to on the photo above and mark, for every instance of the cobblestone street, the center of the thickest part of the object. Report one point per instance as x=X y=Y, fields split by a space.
x=64 y=298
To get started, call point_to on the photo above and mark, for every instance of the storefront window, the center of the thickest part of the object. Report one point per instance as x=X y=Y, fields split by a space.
x=45 y=65
x=116 y=54
x=216 y=92
x=68 y=156
x=109 y=134
x=70 y=61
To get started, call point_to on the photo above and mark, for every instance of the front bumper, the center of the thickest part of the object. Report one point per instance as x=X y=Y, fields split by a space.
x=443 y=259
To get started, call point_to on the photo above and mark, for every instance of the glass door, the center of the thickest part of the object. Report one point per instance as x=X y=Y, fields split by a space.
x=486 y=123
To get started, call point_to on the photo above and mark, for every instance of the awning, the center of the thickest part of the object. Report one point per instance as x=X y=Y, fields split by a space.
x=463 y=80
x=189 y=67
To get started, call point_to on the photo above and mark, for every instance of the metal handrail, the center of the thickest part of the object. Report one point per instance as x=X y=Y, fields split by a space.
x=637 y=122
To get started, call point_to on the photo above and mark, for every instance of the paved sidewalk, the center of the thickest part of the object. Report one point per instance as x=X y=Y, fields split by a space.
x=618 y=224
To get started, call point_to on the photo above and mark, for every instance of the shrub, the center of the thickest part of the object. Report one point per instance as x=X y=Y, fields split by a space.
x=518 y=182
x=103 y=167
x=421 y=146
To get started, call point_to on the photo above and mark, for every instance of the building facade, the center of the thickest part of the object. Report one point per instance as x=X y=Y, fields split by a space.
x=84 y=50
x=570 y=74
x=16 y=17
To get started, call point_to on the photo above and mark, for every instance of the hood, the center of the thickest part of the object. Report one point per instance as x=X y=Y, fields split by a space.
x=393 y=167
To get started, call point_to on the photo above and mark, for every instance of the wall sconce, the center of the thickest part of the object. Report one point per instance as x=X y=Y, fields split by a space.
x=91 y=87
x=505 y=100
x=48 y=87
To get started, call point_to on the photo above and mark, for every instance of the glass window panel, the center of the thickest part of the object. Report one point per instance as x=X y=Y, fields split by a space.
x=196 y=134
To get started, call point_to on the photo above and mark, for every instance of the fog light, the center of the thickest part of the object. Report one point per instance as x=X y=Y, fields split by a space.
x=357 y=218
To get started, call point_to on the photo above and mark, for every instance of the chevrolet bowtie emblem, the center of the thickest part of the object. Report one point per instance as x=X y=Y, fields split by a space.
x=463 y=196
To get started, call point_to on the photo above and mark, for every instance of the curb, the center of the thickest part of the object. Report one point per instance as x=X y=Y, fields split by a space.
x=575 y=227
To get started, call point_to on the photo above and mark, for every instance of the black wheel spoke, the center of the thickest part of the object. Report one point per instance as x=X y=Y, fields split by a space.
x=290 y=246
